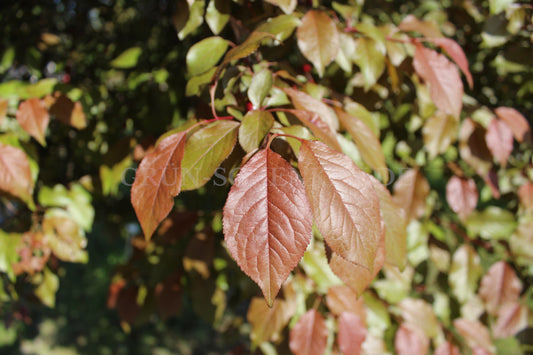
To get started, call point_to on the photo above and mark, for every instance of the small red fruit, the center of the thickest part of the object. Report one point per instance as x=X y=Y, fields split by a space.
x=307 y=68
x=249 y=106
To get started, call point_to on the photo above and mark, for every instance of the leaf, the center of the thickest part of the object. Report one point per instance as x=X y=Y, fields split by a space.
x=281 y=26
x=260 y=87
x=341 y=299
x=3 y=110
x=497 y=6
x=367 y=143
x=428 y=29
x=246 y=48
x=447 y=348
x=33 y=116
x=9 y=243
x=461 y=195
x=512 y=318
x=410 y=193
x=475 y=334
x=499 y=139
x=47 y=288
x=369 y=55
x=205 y=150
x=205 y=54
x=395 y=226
x=473 y=147
x=318 y=39
x=499 y=286
x=454 y=51
x=445 y=85
x=303 y=101
x=439 y=132
x=157 y=182
x=354 y=275
x=417 y=314
x=525 y=194
x=491 y=223
x=168 y=295
x=127 y=59
x=64 y=236
x=186 y=25
x=287 y=6
x=464 y=272
x=267 y=221
x=309 y=336
x=267 y=322
x=315 y=265
x=352 y=333
x=344 y=203
x=516 y=122
x=68 y=112
x=319 y=128
x=254 y=126
x=410 y=341
x=15 y=173
x=217 y=15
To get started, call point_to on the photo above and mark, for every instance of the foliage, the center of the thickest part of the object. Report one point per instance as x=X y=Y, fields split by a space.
x=380 y=204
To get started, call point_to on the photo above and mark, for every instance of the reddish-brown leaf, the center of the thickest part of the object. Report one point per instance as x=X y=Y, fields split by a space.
x=473 y=147
x=168 y=296
x=461 y=195
x=267 y=221
x=33 y=116
x=395 y=226
x=512 y=318
x=68 y=112
x=200 y=252
x=127 y=306
x=445 y=85
x=499 y=286
x=318 y=39
x=356 y=276
x=303 y=101
x=352 y=333
x=525 y=193
x=454 y=50
x=343 y=299
x=344 y=203
x=475 y=333
x=410 y=341
x=366 y=141
x=310 y=335
x=516 y=122
x=428 y=29
x=157 y=182
x=15 y=174
x=447 y=348
x=319 y=128
x=267 y=322
x=418 y=314
x=499 y=139
x=410 y=192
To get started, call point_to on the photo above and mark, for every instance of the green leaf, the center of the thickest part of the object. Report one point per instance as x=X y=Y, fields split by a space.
x=370 y=57
x=48 y=286
x=260 y=87
x=111 y=176
x=315 y=265
x=465 y=273
x=282 y=26
x=196 y=84
x=246 y=48
x=205 y=54
x=9 y=243
x=217 y=15
x=127 y=59
x=491 y=223
x=196 y=18
x=205 y=150
x=287 y=6
x=497 y=6
x=439 y=132
x=254 y=126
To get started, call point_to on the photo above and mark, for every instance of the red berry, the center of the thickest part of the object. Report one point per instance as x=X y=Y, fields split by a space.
x=66 y=78
x=249 y=106
x=307 y=68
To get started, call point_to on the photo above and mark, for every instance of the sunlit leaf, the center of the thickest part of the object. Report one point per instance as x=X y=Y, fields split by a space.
x=309 y=336
x=47 y=288
x=369 y=55
x=352 y=333
x=33 y=116
x=516 y=122
x=525 y=194
x=409 y=341
x=267 y=322
x=205 y=150
x=157 y=182
x=64 y=236
x=447 y=348
x=319 y=128
x=281 y=26
x=260 y=87
x=344 y=203
x=186 y=25
x=127 y=59
x=512 y=318
x=343 y=299
x=465 y=272
x=439 y=132
x=445 y=85
x=491 y=223
x=217 y=15
x=499 y=286
x=205 y=54
x=475 y=334
x=303 y=101
x=461 y=195
x=254 y=126
x=15 y=173
x=68 y=112
x=418 y=314
x=499 y=139
x=454 y=51
x=287 y=6
x=426 y=28
x=473 y=147
x=410 y=193
x=318 y=39
x=9 y=243
x=246 y=48
x=267 y=221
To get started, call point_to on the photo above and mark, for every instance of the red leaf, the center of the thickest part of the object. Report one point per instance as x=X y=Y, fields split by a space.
x=68 y=112
x=410 y=192
x=525 y=193
x=499 y=286
x=33 y=116
x=319 y=128
x=445 y=85
x=344 y=203
x=447 y=348
x=352 y=333
x=462 y=195
x=157 y=182
x=343 y=299
x=310 y=335
x=512 y=318
x=411 y=342
x=475 y=333
x=454 y=50
x=267 y=221
x=15 y=174
x=426 y=28
x=516 y=122
x=499 y=139
x=168 y=296
x=303 y=101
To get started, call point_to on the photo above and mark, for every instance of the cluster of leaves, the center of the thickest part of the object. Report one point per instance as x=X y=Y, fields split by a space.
x=352 y=118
